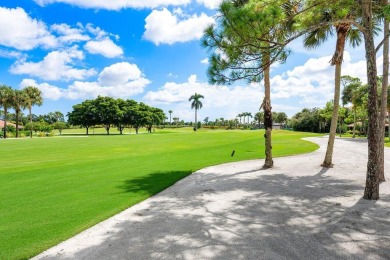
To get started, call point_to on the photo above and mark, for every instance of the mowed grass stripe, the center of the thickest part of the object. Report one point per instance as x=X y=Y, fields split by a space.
x=53 y=188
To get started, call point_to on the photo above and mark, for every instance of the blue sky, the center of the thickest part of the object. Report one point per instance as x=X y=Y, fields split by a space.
x=148 y=51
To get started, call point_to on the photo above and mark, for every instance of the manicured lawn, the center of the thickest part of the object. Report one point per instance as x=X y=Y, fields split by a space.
x=53 y=188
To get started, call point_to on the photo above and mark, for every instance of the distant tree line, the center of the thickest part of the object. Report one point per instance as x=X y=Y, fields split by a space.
x=109 y=112
x=355 y=95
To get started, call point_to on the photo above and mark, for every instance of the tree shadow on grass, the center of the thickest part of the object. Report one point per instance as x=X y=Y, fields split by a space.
x=153 y=183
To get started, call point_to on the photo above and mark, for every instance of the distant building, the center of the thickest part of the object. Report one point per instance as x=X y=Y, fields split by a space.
x=359 y=124
x=274 y=126
x=277 y=126
x=8 y=123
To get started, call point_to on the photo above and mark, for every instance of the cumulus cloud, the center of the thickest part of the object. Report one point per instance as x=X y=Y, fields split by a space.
x=68 y=34
x=57 y=65
x=312 y=84
x=166 y=27
x=18 y=30
x=308 y=85
x=120 y=80
x=116 y=5
x=11 y=54
x=211 y=4
x=119 y=73
x=224 y=100
x=105 y=47
x=48 y=91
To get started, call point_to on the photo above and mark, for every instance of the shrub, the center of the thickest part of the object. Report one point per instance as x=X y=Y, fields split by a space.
x=11 y=128
x=41 y=134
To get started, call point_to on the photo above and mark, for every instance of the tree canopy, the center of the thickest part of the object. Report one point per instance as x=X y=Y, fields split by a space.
x=108 y=112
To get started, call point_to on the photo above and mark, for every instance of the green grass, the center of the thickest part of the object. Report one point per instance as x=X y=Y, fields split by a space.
x=53 y=188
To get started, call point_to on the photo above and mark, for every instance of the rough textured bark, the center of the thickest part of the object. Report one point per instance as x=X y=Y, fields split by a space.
x=337 y=59
x=385 y=83
x=196 y=118
x=17 y=112
x=371 y=190
x=354 y=121
x=31 y=123
x=269 y=163
x=5 y=122
x=388 y=128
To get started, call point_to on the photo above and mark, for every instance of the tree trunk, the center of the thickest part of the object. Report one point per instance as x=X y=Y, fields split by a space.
x=269 y=163
x=333 y=124
x=17 y=123
x=196 y=118
x=5 y=122
x=87 y=129
x=388 y=127
x=385 y=83
x=371 y=190
x=31 y=124
x=337 y=60
x=354 y=121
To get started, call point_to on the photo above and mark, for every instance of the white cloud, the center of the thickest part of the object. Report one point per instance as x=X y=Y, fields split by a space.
x=57 y=65
x=68 y=34
x=99 y=33
x=18 y=30
x=212 y=4
x=119 y=73
x=166 y=27
x=171 y=75
x=11 y=54
x=120 y=80
x=308 y=85
x=105 y=47
x=116 y=4
x=219 y=100
x=205 y=61
x=312 y=84
x=48 y=91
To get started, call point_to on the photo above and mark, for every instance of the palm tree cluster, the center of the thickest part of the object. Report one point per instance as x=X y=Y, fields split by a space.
x=244 y=115
x=19 y=100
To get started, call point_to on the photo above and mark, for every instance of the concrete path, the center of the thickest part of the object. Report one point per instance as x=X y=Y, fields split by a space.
x=297 y=210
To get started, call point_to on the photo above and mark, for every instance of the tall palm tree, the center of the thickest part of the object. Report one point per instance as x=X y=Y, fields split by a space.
x=197 y=104
x=239 y=116
x=344 y=32
x=350 y=95
x=170 y=114
x=249 y=115
x=19 y=102
x=6 y=94
x=34 y=97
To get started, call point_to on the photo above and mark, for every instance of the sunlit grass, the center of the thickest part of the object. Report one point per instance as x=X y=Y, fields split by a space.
x=53 y=188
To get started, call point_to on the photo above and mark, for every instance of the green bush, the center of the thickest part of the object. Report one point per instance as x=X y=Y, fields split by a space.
x=41 y=134
x=11 y=128
x=25 y=133
x=10 y=134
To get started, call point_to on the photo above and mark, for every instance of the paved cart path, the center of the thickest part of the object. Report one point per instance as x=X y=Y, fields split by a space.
x=297 y=210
